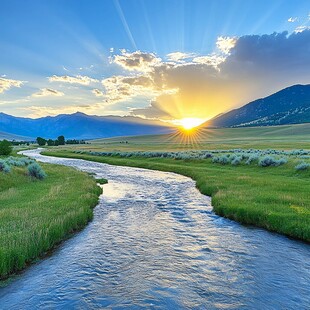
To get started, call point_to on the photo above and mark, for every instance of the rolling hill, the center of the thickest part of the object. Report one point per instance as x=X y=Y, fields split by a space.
x=80 y=126
x=288 y=106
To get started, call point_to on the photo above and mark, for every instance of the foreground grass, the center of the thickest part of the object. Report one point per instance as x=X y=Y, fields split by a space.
x=275 y=198
x=36 y=215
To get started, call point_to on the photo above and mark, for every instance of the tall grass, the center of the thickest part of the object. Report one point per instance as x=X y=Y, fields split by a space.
x=35 y=215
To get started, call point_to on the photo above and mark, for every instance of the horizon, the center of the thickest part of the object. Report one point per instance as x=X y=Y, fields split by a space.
x=170 y=123
x=196 y=63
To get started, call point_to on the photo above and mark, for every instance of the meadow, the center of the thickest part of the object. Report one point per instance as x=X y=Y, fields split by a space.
x=256 y=176
x=38 y=211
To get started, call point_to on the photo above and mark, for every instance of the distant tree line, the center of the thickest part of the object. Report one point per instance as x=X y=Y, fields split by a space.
x=59 y=141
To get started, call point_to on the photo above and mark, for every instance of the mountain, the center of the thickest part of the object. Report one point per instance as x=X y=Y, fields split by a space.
x=288 y=106
x=81 y=126
x=9 y=136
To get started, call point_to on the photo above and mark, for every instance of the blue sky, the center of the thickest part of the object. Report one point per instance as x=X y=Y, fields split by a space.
x=87 y=47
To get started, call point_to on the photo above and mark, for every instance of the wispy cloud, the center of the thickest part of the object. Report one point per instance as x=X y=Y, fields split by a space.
x=6 y=84
x=78 y=79
x=45 y=92
x=292 y=19
x=39 y=111
x=213 y=60
x=180 y=56
x=301 y=28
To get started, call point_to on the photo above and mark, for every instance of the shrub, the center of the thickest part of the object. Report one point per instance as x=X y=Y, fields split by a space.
x=251 y=159
x=5 y=147
x=271 y=161
x=36 y=171
x=236 y=160
x=4 y=167
x=302 y=166
x=223 y=160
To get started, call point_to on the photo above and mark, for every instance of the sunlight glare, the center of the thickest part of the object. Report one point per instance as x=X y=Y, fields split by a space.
x=190 y=123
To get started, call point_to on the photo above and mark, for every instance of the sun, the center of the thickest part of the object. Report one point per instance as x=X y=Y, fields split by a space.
x=190 y=122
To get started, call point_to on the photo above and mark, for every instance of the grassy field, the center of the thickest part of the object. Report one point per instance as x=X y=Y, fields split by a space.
x=281 y=137
x=275 y=198
x=35 y=215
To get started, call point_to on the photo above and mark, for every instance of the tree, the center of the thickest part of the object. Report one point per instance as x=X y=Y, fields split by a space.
x=50 y=142
x=61 y=140
x=5 y=147
x=41 y=141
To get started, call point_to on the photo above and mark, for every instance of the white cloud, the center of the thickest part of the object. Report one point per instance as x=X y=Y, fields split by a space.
x=45 y=92
x=6 y=84
x=211 y=60
x=79 y=79
x=180 y=56
x=292 y=19
x=301 y=28
x=225 y=44
x=136 y=61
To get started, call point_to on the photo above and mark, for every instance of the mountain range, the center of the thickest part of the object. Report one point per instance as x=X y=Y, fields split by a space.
x=81 y=126
x=287 y=106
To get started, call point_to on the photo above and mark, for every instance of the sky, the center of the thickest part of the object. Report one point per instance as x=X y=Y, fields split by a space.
x=158 y=59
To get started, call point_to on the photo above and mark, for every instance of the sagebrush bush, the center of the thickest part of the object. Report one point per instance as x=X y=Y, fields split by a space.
x=267 y=161
x=4 y=167
x=302 y=166
x=36 y=171
x=236 y=160
x=251 y=159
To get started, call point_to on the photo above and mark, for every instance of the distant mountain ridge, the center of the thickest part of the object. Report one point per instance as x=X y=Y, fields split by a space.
x=81 y=126
x=287 y=106
x=8 y=136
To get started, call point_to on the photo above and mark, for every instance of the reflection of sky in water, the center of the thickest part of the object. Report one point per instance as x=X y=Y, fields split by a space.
x=155 y=243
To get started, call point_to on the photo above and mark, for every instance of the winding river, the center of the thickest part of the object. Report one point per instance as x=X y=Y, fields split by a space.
x=155 y=243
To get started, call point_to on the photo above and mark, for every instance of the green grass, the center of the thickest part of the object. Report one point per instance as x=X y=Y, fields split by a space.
x=36 y=215
x=275 y=198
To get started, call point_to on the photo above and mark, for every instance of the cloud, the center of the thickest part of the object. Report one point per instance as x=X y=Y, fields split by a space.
x=213 y=60
x=225 y=44
x=121 y=88
x=301 y=28
x=292 y=19
x=180 y=56
x=45 y=92
x=6 y=84
x=136 y=61
x=79 y=79
x=97 y=92
x=256 y=66
x=40 y=111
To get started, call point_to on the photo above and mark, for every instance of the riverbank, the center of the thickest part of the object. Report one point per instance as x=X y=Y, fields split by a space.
x=36 y=215
x=274 y=198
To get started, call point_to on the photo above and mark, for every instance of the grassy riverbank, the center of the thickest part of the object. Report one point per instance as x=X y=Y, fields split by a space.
x=275 y=198
x=35 y=215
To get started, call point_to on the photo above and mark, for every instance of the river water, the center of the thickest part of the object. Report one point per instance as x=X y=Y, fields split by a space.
x=155 y=243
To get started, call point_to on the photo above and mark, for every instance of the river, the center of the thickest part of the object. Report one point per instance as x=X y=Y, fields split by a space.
x=155 y=243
